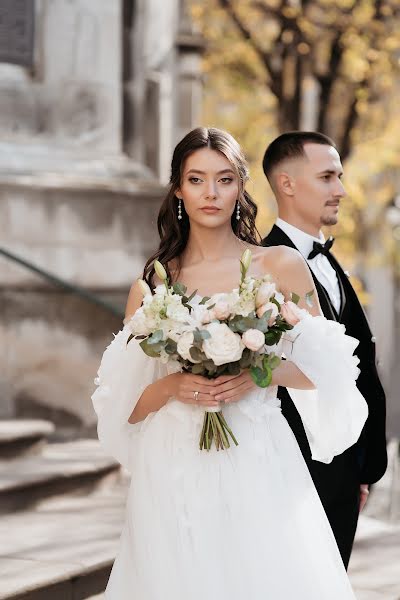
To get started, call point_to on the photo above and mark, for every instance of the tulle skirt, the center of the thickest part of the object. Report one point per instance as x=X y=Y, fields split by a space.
x=239 y=524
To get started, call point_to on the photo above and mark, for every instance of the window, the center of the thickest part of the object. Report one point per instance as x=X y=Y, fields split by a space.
x=16 y=32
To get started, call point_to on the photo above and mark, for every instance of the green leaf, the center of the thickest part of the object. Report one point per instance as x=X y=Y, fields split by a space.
x=294 y=298
x=261 y=377
x=156 y=337
x=170 y=346
x=195 y=353
x=131 y=337
x=272 y=337
x=151 y=350
x=309 y=296
x=204 y=300
x=274 y=361
x=192 y=295
x=179 y=288
x=234 y=368
x=276 y=303
x=197 y=369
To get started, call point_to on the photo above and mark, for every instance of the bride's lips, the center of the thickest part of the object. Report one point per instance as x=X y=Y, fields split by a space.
x=210 y=210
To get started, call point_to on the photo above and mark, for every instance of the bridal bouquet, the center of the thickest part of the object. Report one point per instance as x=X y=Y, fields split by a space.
x=217 y=335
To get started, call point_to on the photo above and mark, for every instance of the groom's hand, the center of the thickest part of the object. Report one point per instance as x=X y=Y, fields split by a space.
x=364 y=492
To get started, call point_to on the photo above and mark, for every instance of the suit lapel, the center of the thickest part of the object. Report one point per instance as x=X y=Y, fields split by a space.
x=277 y=237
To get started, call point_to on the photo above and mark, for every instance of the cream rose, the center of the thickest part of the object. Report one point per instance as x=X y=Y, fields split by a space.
x=253 y=339
x=265 y=291
x=184 y=344
x=221 y=310
x=268 y=306
x=201 y=315
x=292 y=313
x=223 y=346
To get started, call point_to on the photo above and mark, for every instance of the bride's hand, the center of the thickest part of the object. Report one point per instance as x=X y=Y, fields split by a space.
x=183 y=387
x=230 y=388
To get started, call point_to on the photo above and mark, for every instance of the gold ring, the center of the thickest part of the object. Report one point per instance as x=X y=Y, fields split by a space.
x=196 y=396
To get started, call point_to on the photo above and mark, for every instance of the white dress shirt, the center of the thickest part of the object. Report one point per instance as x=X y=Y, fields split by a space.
x=319 y=265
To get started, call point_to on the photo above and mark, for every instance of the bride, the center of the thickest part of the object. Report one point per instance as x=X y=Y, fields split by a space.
x=244 y=522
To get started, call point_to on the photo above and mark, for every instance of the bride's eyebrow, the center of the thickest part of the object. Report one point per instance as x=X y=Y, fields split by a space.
x=197 y=172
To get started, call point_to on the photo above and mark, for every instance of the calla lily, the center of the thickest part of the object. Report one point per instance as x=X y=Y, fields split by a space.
x=246 y=259
x=161 y=272
x=144 y=288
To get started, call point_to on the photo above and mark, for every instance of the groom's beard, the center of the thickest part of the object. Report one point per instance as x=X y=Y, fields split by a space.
x=328 y=221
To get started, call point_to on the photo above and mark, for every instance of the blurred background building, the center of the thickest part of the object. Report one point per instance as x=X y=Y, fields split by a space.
x=94 y=95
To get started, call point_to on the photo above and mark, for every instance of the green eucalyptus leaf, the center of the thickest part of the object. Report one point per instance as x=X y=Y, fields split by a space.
x=204 y=300
x=170 y=346
x=179 y=289
x=197 y=369
x=131 y=337
x=234 y=368
x=156 y=337
x=150 y=349
x=295 y=298
x=195 y=353
x=309 y=300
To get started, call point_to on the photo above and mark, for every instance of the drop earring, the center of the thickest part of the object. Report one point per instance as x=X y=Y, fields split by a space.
x=180 y=209
x=238 y=211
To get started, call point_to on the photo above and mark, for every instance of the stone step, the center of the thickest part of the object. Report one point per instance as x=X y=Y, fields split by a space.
x=25 y=436
x=63 y=549
x=77 y=467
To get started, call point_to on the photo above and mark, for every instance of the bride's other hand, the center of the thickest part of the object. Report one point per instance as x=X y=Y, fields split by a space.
x=183 y=387
x=231 y=388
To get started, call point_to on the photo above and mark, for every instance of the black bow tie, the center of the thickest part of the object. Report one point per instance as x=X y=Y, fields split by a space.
x=321 y=248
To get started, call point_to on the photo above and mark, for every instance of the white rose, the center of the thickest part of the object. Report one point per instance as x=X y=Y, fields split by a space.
x=221 y=310
x=268 y=306
x=185 y=342
x=200 y=314
x=279 y=297
x=253 y=339
x=265 y=291
x=138 y=324
x=176 y=310
x=223 y=346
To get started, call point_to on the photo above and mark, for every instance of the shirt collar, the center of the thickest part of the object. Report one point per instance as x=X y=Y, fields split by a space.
x=303 y=241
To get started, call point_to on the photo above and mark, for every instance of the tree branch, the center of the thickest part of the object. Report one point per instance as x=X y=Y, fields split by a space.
x=246 y=33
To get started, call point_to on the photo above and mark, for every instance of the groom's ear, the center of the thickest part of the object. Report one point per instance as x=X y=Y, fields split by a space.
x=285 y=183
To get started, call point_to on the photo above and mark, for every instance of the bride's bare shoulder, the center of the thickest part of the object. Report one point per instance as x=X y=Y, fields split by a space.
x=280 y=256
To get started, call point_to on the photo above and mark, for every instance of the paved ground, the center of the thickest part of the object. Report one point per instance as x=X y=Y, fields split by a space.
x=375 y=562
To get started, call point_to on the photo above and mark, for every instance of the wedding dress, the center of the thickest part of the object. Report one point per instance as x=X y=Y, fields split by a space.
x=243 y=523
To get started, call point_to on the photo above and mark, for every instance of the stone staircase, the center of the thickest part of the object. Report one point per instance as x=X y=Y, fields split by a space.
x=61 y=512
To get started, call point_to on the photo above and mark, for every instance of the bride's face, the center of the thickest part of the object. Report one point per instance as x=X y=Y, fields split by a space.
x=209 y=188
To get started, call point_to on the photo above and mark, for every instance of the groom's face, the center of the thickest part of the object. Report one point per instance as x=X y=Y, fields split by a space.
x=318 y=188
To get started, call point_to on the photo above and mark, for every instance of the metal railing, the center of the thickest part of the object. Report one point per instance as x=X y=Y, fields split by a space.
x=62 y=283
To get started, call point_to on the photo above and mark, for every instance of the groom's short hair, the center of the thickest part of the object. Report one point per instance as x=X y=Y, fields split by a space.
x=291 y=145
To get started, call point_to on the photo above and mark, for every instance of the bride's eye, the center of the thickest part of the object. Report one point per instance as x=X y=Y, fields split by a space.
x=226 y=179
x=194 y=179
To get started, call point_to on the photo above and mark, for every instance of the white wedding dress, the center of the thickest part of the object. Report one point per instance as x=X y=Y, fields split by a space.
x=240 y=524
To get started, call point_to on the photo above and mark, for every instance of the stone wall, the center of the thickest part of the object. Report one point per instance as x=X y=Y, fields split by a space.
x=86 y=138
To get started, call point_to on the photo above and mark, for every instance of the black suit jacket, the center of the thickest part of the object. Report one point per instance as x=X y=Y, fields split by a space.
x=370 y=450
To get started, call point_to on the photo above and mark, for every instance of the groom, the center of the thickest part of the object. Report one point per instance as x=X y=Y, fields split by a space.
x=304 y=171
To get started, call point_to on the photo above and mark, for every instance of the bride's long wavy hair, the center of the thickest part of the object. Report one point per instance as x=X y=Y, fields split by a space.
x=174 y=233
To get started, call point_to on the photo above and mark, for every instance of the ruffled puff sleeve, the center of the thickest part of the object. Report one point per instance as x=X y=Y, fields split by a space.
x=334 y=413
x=124 y=373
